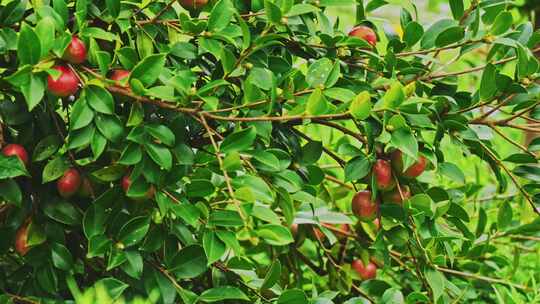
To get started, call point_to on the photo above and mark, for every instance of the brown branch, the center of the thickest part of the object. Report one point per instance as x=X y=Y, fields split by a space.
x=444 y=48
x=481 y=278
x=318 y=270
x=161 y=12
x=225 y=174
x=20 y=299
x=340 y=128
x=495 y=108
x=330 y=153
x=362 y=293
x=522 y=237
x=472 y=7
x=278 y=118
x=175 y=21
x=511 y=141
x=512 y=177
x=256 y=103
x=471 y=70
x=522 y=112
x=2 y=140
x=337 y=181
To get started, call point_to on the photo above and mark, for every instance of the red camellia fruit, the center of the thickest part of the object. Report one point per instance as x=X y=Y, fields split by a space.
x=21 y=239
x=364 y=32
x=126 y=182
x=367 y=272
x=119 y=75
x=193 y=4
x=66 y=84
x=382 y=170
x=75 y=51
x=377 y=223
x=69 y=183
x=413 y=171
x=397 y=198
x=17 y=150
x=364 y=207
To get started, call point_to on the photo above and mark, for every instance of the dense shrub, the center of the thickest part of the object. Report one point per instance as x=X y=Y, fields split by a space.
x=254 y=151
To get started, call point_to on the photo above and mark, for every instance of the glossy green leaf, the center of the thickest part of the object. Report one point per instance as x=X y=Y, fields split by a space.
x=134 y=231
x=189 y=262
x=221 y=293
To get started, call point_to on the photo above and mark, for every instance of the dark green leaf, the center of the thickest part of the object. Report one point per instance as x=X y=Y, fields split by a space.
x=11 y=167
x=239 y=141
x=147 y=71
x=134 y=231
x=45 y=148
x=502 y=23
x=28 y=46
x=272 y=275
x=10 y=191
x=54 y=169
x=222 y=293
x=221 y=15
x=100 y=99
x=357 y=168
x=213 y=246
x=449 y=36
x=61 y=257
x=189 y=262
x=225 y=218
x=318 y=72
x=504 y=217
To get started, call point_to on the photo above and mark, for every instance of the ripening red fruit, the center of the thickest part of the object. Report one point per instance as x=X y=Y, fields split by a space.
x=126 y=182
x=75 y=51
x=193 y=4
x=69 y=183
x=365 y=33
x=367 y=272
x=413 y=171
x=382 y=170
x=395 y=197
x=364 y=207
x=119 y=75
x=66 y=84
x=17 y=150
x=377 y=223
x=21 y=239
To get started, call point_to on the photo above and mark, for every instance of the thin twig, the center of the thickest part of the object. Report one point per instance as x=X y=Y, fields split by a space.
x=471 y=70
x=161 y=12
x=449 y=47
x=513 y=142
x=495 y=108
x=482 y=278
x=337 y=181
x=512 y=177
x=330 y=153
x=340 y=128
x=224 y=170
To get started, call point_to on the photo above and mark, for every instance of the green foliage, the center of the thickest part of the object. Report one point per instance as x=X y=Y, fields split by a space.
x=222 y=169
